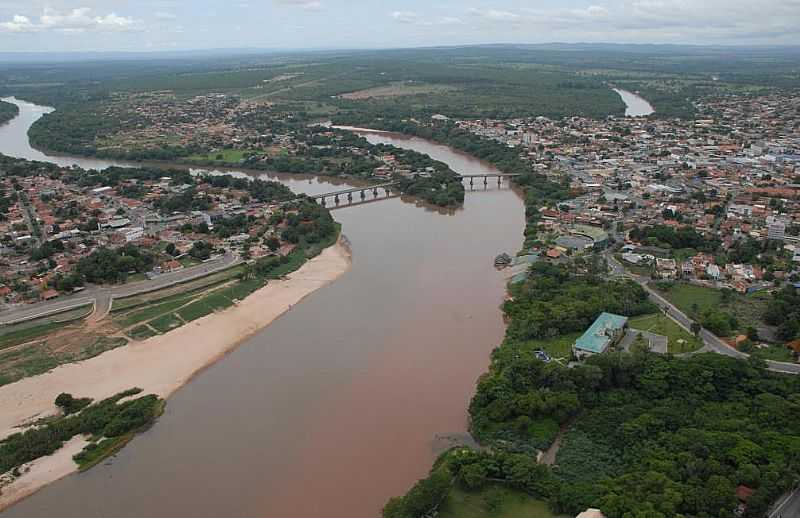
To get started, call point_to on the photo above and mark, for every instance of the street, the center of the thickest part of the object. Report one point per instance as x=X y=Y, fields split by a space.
x=102 y=296
x=712 y=342
x=787 y=507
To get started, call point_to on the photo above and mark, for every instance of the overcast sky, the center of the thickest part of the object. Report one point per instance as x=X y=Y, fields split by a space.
x=98 y=25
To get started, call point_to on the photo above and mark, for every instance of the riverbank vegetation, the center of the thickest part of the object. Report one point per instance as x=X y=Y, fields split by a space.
x=106 y=424
x=643 y=437
x=7 y=111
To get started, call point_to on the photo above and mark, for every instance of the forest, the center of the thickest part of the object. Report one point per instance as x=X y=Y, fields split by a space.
x=7 y=111
x=645 y=435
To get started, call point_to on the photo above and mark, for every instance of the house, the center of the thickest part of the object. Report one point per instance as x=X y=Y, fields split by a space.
x=49 y=294
x=606 y=331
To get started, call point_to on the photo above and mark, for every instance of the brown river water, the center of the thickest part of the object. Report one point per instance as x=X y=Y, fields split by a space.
x=338 y=404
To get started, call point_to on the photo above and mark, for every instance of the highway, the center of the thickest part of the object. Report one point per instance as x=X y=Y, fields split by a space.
x=711 y=341
x=787 y=507
x=102 y=296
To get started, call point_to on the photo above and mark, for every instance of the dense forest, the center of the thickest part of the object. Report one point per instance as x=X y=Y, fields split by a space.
x=647 y=435
x=7 y=111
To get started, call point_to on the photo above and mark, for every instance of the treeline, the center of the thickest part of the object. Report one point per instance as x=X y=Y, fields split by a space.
x=74 y=128
x=110 y=418
x=783 y=311
x=684 y=237
x=7 y=111
x=106 y=265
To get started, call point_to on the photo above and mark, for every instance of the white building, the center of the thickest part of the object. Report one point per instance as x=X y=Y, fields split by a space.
x=776 y=229
x=132 y=234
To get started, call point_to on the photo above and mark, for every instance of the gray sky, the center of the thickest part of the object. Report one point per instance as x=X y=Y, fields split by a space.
x=98 y=25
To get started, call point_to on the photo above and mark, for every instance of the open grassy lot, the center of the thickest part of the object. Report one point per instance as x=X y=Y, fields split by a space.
x=205 y=306
x=694 y=300
x=164 y=295
x=662 y=325
x=166 y=323
x=558 y=347
x=141 y=333
x=777 y=353
x=16 y=334
x=494 y=502
x=152 y=311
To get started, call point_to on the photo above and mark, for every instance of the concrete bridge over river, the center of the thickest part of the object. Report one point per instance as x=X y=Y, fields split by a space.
x=387 y=189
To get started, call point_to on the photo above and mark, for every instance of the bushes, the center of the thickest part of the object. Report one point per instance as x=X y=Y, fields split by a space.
x=70 y=405
x=107 y=418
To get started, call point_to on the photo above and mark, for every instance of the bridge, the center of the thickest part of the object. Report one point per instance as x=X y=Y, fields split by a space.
x=390 y=188
x=336 y=195
x=485 y=176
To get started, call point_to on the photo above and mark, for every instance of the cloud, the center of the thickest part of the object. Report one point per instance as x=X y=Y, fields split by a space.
x=405 y=16
x=311 y=5
x=75 y=20
x=495 y=15
x=161 y=15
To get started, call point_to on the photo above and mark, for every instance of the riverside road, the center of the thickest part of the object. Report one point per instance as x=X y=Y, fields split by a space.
x=101 y=297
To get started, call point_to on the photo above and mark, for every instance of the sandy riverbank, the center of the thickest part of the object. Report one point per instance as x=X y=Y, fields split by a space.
x=160 y=365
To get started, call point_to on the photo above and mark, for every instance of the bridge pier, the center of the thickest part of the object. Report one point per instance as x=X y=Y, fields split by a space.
x=350 y=197
x=363 y=195
x=499 y=181
x=336 y=199
x=375 y=192
x=485 y=181
x=472 y=182
x=323 y=201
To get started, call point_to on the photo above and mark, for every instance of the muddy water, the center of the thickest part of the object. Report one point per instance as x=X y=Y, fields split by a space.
x=337 y=405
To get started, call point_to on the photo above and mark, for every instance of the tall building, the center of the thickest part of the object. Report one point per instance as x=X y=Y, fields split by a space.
x=776 y=229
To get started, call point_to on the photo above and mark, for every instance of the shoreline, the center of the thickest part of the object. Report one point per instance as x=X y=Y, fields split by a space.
x=160 y=365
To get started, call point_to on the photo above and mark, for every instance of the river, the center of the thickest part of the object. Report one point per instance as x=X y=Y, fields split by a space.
x=336 y=406
x=635 y=105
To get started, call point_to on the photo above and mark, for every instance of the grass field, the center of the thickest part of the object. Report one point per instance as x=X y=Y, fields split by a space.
x=692 y=299
x=141 y=333
x=495 y=502
x=662 y=325
x=777 y=353
x=166 y=323
x=559 y=347
x=16 y=334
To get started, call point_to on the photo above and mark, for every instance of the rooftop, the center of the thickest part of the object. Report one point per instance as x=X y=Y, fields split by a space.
x=597 y=338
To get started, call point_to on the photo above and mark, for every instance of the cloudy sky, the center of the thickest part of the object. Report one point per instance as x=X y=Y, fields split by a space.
x=97 y=25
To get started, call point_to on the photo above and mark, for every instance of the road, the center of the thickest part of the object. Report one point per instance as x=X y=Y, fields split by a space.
x=787 y=507
x=711 y=341
x=102 y=296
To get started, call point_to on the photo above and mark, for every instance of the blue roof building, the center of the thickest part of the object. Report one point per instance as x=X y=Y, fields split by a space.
x=607 y=330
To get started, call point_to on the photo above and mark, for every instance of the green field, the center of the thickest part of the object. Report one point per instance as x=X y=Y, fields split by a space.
x=166 y=323
x=661 y=325
x=495 y=502
x=16 y=334
x=694 y=300
x=141 y=333
x=558 y=347
x=777 y=353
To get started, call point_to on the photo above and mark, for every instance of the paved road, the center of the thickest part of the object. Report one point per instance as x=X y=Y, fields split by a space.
x=102 y=296
x=712 y=342
x=787 y=507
